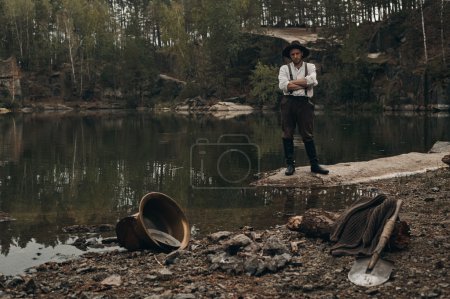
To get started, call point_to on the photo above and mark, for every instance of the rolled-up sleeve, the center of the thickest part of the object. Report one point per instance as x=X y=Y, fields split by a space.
x=283 y=78
x=311 y=79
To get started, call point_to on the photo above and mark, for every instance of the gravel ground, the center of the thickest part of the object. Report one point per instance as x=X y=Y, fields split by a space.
x=262 y=264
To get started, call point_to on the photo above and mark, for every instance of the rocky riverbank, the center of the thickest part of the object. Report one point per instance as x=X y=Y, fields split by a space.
x=272 y=263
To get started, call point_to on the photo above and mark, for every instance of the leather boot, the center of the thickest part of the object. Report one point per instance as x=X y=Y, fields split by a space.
x=288 y=145
x=310 y=148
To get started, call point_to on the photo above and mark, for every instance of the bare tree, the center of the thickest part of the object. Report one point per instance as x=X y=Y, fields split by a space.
x=442 y=32
x=423 y=32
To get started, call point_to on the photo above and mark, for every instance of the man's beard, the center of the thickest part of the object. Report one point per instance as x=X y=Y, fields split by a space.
x=297 y=61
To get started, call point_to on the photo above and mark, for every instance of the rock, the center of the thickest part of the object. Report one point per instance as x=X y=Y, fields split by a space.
x=31 y=270
x=254 y=236
x=273 y=246
x=277 y=262
x=308 y=288
x=372 y=291
x=92 y=242
x=30 y=286
x=229 y=106
x=446 y=159
x=80 y=243
x=296 y=262
x=45 y=289
x=216 y=258
x=109 y=240
x=113 y=280
x=183 y=296
x=426 y=293
x=440 y=147
x=225 y=262
x=215 y=237
x=435 y=189
x=282 y=260
x=99 y=277
x=164 y=274
x=85 y=270
x=233 y=245
x=247 y=228
x=14 y=282
x=439 y=265
x=252 y=248
x=151 y=277
x=254 y=266
x=172 y=257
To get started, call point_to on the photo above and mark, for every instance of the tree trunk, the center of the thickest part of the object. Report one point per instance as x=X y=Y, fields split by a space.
x=314 y=223
x=442 y=32
x=69 y=40
x=423 y=31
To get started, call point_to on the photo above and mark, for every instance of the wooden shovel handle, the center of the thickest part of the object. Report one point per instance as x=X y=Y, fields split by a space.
x=385 y=235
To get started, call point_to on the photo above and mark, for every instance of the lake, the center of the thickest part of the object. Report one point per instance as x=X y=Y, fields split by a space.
x=93 y=167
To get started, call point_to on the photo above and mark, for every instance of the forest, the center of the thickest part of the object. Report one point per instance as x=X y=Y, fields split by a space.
x=123 y=45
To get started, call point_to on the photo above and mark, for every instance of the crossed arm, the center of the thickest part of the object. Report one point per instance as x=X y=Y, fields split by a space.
x=297 y=84
x=286 y=85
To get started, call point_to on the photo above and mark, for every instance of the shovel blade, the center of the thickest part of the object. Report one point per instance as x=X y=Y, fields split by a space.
x=379 y=274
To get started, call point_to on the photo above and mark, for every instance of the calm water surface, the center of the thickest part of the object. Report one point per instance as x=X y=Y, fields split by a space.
x=61 y=169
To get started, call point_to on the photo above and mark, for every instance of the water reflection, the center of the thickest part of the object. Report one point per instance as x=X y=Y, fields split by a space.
x=93 y=167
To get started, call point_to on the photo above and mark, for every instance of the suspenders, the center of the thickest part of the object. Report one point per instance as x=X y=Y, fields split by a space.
x=292 y=77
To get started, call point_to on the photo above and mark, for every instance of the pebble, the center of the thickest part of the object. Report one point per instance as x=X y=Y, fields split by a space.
x=31 y=271
x=308 y=288
x=274 y=246
x=85 y=270
x=164 y=274
x=215 y=237
x=151 y=277
x=113 y=280
x=237 y=242
x=372 y=291
x=171 y=257
x=15 y=281
x=183 y=296
x=30 y=286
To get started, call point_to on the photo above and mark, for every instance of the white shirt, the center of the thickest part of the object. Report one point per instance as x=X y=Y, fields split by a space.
x=311 y=80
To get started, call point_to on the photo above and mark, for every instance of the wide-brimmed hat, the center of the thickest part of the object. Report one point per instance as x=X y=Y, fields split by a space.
x=295 y=45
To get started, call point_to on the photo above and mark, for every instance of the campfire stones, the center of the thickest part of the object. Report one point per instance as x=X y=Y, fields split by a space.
x=241 y=254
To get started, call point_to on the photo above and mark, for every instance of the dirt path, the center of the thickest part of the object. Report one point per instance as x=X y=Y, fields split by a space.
x=290 y=34
x=169 y=78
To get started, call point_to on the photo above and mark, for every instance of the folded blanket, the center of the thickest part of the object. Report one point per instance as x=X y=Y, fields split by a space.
x=358 y=229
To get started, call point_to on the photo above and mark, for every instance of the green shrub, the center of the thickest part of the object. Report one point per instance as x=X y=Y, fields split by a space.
x=264 y=84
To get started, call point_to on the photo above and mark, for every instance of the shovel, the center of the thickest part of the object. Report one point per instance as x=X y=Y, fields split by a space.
x=369 y=272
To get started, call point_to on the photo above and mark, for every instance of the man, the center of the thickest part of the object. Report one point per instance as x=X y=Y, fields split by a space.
x=297 y=80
